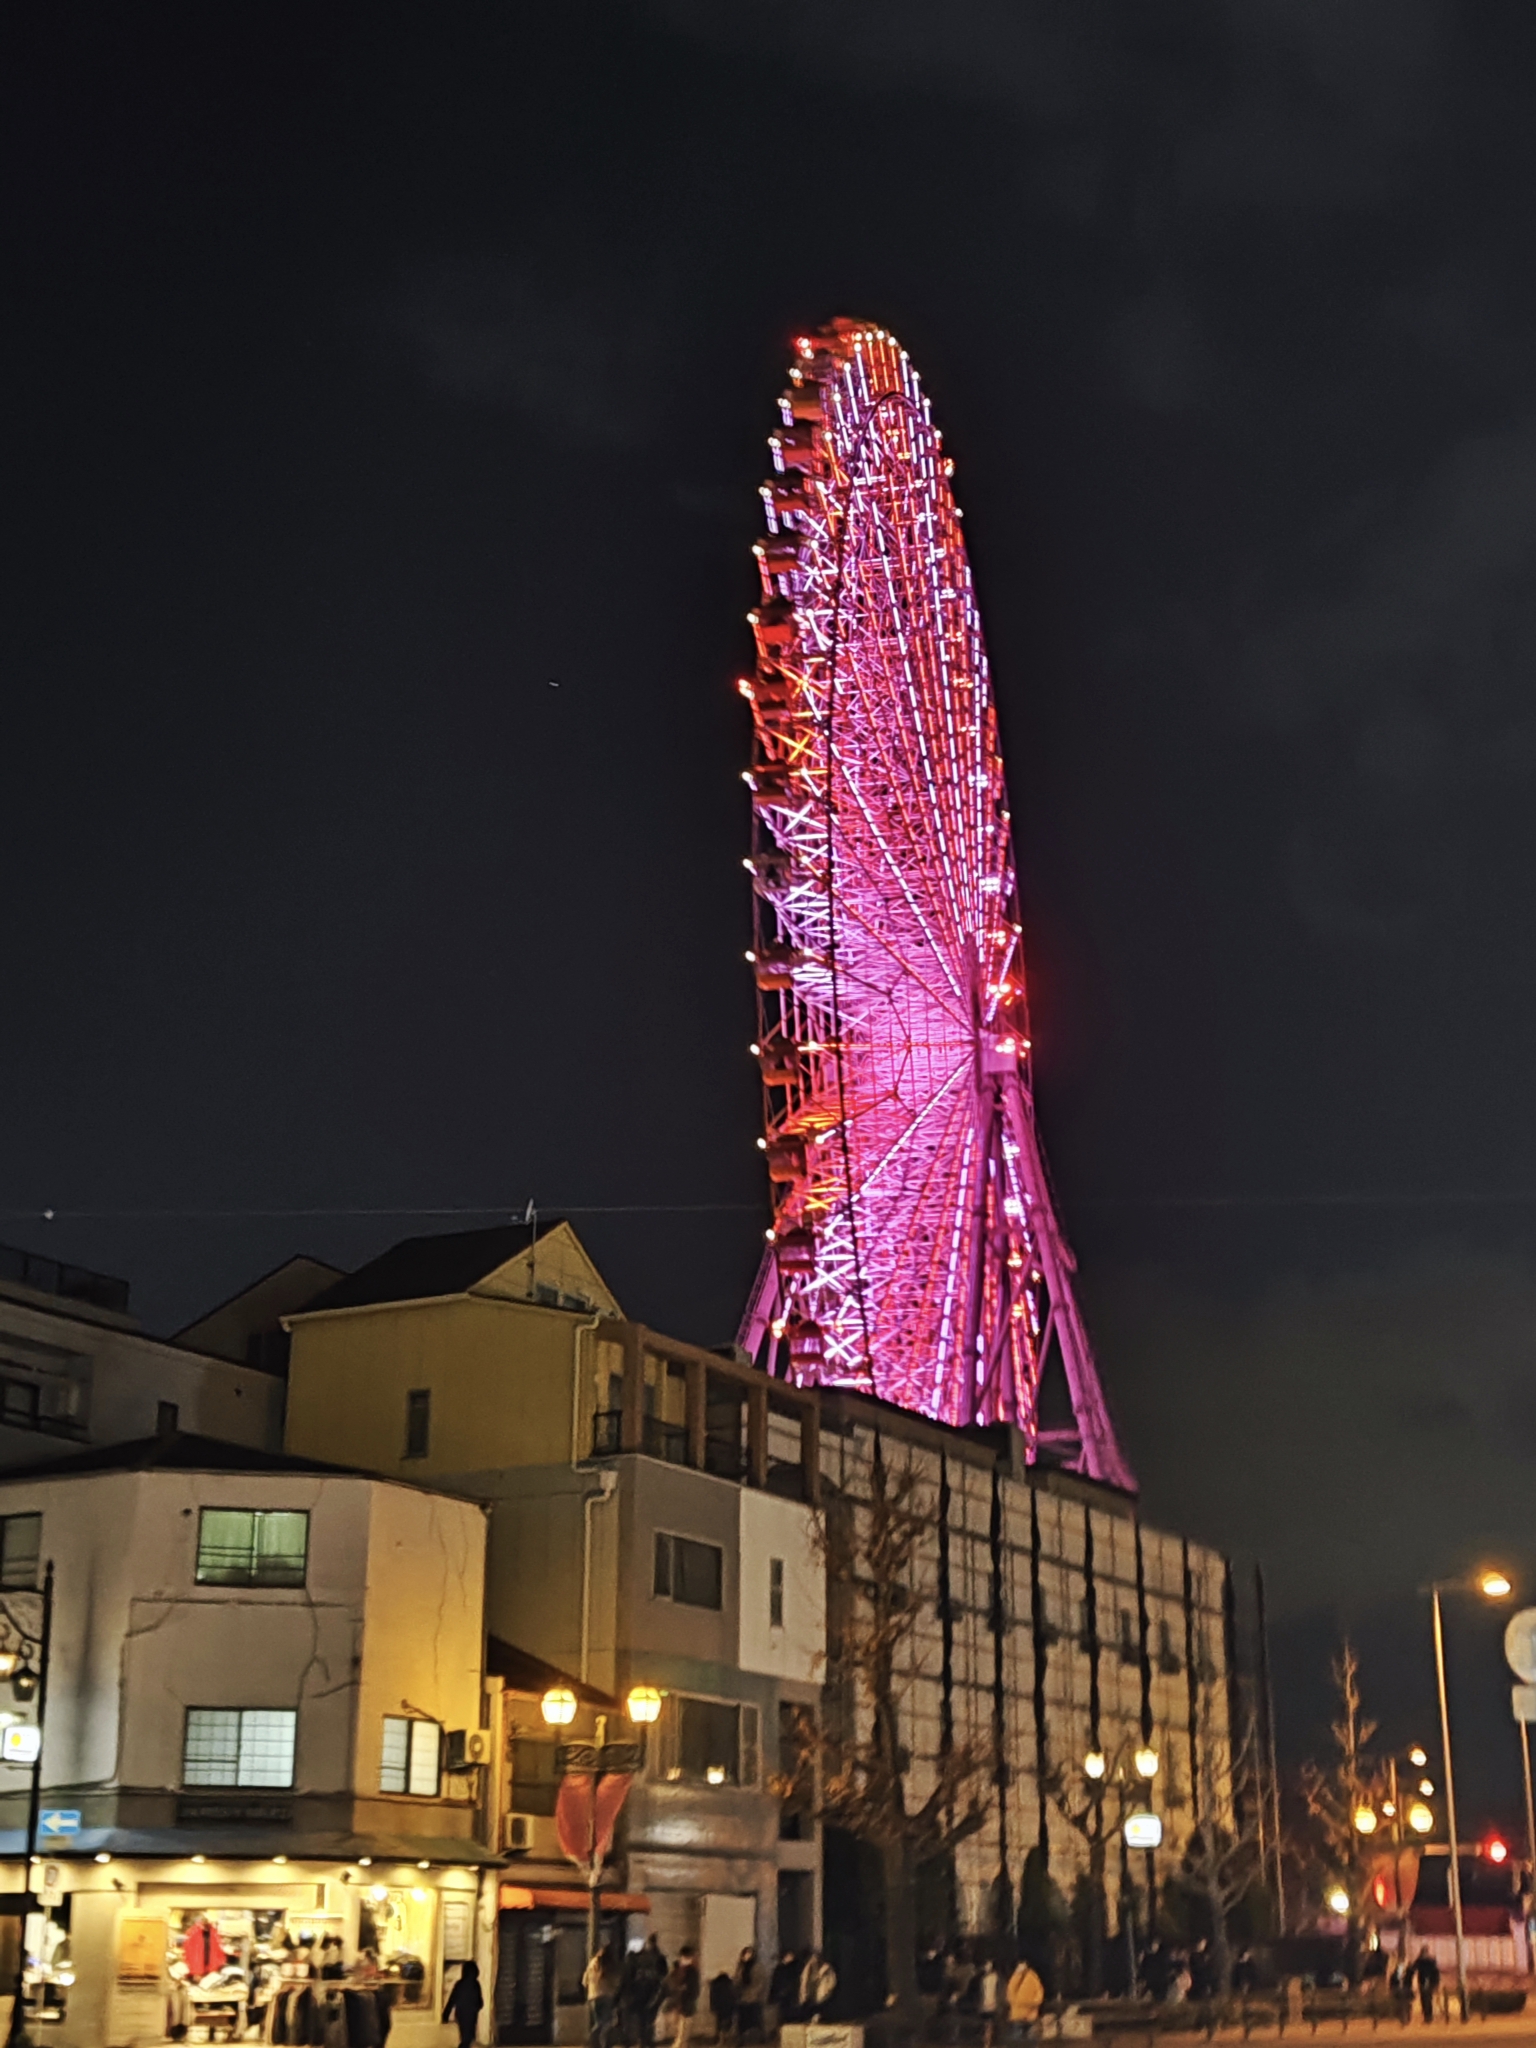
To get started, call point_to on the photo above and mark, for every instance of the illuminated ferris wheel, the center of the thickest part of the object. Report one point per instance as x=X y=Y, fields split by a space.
x=915 y=1252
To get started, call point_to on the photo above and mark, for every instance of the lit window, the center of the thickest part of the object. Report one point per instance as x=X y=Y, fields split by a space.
x=252 y=1547
x=715 y=1742
x=21 y=1542
x=410 y=1760
x=690 y=1573
x=239 y=1746
x=775 y=1592
x=418 y=1422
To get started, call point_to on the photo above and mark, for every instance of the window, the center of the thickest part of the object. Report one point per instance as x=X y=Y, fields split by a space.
x=410 y=1763
x=535 y=1781
x=690 y=1573
x=1130 y=1639
x=775 y=1592
x=418 y=1422
x=18 y=1403
x=252 y=1546
x=239 y=1746
x=21 y=1541
x=715 y=1742
x=167 y=1418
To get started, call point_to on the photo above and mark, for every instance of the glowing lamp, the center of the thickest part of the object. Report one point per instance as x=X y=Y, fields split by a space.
x=715 y=1774
x=1418 y=1757
x=1497 y=1851
x=1143 y=1831
x=279 y=1859
x=102 y=1856
x=1146 y=1761
x=1389 y=1809
x=378 y=1893
x=643 y=1704
x=1338 y=1900
x=1094 y=1765
x=1427 y=1787
x=1365 y=1820
x=558 y=1706
x=1420 y=1819
x=10 y=1663
x=1494 y=1585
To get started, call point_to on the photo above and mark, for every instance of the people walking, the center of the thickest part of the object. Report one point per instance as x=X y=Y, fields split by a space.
x=680 y=1996
x=751 y=1986
x=466 y=2001
x=784 y=1988
x=640 y=1991
x=1425 y=1978
x=599 y=1981
x=1026 y=1995
x=818 y=1982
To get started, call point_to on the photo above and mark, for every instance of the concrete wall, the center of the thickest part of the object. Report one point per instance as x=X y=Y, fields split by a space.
x=391 y=1611
x=784 y=1529
x=111 y=1378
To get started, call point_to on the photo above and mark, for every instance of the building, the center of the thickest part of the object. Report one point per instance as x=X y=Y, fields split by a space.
x=652 y=1522
x=264 y=1709
x=656 y=1518
x=77 y=1370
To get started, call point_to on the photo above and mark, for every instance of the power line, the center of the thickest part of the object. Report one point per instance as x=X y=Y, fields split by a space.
x=512 y=1211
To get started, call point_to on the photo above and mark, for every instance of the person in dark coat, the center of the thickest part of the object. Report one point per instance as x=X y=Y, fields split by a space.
x=645 y=1972
x=784 y=1986
x=1425 y=1977
x=465 y=2002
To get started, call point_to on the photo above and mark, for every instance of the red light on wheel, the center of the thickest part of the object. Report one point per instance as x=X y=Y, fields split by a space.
x=1379 y=1890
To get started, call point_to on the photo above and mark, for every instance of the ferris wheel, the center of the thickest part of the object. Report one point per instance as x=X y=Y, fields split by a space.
x=915 y=1252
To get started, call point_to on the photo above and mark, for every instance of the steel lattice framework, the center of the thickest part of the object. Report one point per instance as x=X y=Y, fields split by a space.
x=915 y=1252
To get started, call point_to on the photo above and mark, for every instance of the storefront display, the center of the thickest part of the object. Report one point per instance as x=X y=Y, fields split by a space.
x=49 y=1971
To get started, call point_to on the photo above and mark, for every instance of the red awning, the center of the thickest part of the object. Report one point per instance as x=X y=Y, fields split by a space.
x=522 y=1898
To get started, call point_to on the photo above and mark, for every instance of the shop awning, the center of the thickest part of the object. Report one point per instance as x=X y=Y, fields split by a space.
x=253 y=1845
x=516 y=1897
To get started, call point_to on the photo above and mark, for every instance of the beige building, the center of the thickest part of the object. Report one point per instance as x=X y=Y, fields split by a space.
x=264 y=1705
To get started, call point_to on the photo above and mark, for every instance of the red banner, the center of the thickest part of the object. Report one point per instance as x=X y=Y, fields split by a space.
x=584 y=1835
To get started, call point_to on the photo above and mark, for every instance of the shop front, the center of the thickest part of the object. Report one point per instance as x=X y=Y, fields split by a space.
x=198 y=1948
x=541 y=1953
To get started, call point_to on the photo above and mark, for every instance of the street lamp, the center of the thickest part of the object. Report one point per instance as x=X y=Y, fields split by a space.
x=30 y=1682
x=1493 y=1585
x=1420 y=1818
x=1146 y=1761
x=1365 y=1820
x=643 y=1705
x=1338 y=1901
x=1095 y=1764
x=594 y=1762
x=558 y=1706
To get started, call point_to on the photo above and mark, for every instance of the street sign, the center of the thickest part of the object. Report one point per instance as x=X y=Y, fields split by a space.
x=55 y=1824
x=21 y=1743
x=50 y=1885
x=1520 y=1644
x=1523 y=1700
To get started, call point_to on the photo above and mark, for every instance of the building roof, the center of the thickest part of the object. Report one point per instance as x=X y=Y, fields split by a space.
x=178 y=1450
x=520 y=1671
x=227 y=1331
x=420 y=1268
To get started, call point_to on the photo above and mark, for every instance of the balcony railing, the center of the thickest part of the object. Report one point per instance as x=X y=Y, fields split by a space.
x=665 y=1440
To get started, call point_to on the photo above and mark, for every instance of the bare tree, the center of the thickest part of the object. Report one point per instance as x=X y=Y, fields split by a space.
x=861 y=1762
x=1351 y=1782
x=1223 y=1862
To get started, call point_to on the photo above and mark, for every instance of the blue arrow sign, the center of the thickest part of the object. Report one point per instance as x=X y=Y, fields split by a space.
x=59 y=1823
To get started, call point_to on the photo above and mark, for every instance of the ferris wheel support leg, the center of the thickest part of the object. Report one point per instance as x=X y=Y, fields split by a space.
x=755 y=1335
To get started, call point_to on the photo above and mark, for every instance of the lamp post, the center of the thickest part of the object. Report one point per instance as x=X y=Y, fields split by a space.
x=1493 y=1585
x=1138 y=1828
x=594 y=1762
x=28 y=1683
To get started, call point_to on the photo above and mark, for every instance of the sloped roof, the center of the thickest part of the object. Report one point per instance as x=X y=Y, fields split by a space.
x=419 y=1268
x=520 y=1671
x=226 y=1331
x=178 y=1450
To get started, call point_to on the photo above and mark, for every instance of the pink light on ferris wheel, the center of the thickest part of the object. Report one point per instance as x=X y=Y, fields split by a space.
x=915 y=1252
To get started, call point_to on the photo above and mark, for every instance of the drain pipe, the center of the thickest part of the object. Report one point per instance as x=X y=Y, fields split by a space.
x=607 y=1484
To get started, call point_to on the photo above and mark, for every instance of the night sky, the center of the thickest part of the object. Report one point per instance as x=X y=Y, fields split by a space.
x=385 y=401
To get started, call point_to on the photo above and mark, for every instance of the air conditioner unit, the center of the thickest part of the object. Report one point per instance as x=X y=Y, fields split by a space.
x=467 y=1747
x=516 y=1831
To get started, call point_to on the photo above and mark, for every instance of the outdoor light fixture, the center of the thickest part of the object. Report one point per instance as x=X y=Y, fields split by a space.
x=365 y=1861
x=279 y=1859
x=1094 y=1765
x=558 y=1706
x=199 y=1859
x=1418 y=1757
x=1494 y=1585
x=378 y=1893
x=102 y=1856
x=1365 y=1820
x=24 y=1684
x=1497 y=1851
x=643 y=1704
x=1420 y=1819
x=715 y=1775
x=423 y=1864
x=1427 y=1787
x=10 y=1663
x=1146 y=1761
x=1338 y=1900
x=1389 y=1809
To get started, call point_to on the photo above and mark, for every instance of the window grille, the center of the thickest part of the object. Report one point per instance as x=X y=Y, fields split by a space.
x=252 y=1547
x=21 y=1542
x=239 y=1746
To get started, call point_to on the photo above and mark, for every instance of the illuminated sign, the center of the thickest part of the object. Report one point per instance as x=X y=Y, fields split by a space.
x=1143 y=1831
x=21 y=1743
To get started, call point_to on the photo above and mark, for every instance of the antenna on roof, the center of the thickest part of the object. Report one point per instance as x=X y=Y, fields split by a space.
x=531 y=1218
